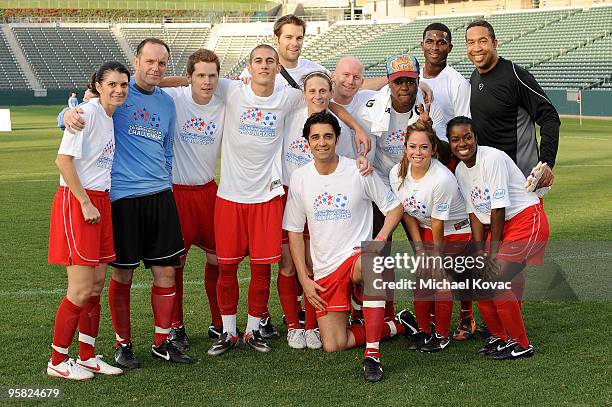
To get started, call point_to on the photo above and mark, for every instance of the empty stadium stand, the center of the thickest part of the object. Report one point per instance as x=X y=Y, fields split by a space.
x=11 y=76
x=233 y=49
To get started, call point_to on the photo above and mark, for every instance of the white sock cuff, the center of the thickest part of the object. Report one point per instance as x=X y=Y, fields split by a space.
x=159 y=330
x=374 y=304
x=90 y=340
x=392 y=327
x=355 y=305
x=253 y=323
x=63 y=351
x=372 y=345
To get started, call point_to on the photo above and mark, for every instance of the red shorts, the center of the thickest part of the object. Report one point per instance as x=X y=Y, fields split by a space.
x=525 y=236
x=454 y=245
x=285 y=233
x=196 y=210
x=72 y=241
x=339 y=287
x=248 y=229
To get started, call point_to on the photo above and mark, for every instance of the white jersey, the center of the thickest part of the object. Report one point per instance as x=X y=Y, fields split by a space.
x=296 y=151
x=338 y=209
x=304 y=66
x=451 y=93
x=493 y=182
x=436 y=195
x=252 y=146
x=197 y=136
x=93 y=148
x=346 y=142
x=390 y=144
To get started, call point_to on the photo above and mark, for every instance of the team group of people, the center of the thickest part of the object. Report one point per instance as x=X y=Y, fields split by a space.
x=312 y=165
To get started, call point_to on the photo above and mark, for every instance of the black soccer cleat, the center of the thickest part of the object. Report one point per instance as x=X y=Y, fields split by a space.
x=490 y=346
x=179 y=338
x=372 y=369
x=408 y=320
x=435 y=343
x=224 y=343
x=482 y=331
x=514 y=352
x=267 y=329
x=170 y=353
x=302 y=316
x=214 y=332
x=255 y=341
x=124 y=356
x=418 y=340
x=356 y=321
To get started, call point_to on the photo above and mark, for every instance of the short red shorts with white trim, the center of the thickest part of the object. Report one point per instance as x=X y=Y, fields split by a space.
x=285 y=233
x=525 y=236
x=196 y=210
x=454 y=245
x=339 y=287
x=248 y=229
x=72 y=241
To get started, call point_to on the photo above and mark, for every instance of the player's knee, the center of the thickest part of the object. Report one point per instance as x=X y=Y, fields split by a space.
x=211 y=259
x=122 y=276
x=79 y=295
x=287 y=270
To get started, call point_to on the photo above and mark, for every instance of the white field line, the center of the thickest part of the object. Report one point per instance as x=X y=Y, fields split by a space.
x=582 y=165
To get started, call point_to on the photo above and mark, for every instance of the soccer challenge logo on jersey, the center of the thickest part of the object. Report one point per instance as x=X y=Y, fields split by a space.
x=328 y=206
x=197 y=131
x=414 y=208
x=254 y=122
x=298 y=152
x=106 y=158
x=481 y=199
x=394 y=142
x=145 y=124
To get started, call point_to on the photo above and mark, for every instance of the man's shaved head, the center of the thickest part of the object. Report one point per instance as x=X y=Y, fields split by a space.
x=350 y=63
x=347 y=78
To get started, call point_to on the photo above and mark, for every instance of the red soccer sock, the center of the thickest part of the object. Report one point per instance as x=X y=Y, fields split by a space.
x=89 y=325
x=466 y=310
x=119 y=304
x=389 y=310
x=177 y=315
x=518 y=287
x=388 y=331
x=287 y=293
x=162 y=302
x=374 y=321
x=423 y=311
x=259 y=290
x=66 y=321
x=509 y=313
x=311 y=315
x=488 y=311
x=211 y=277
x=444 y=312
x=359 y=333
x=227 y=289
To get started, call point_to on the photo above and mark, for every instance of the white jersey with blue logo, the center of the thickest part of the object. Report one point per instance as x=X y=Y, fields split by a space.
x=338 y=209
x=493 y=182
x=296 y=151
x=252 y=146
x=436 y=195
x=93 y=148
x=197 y=135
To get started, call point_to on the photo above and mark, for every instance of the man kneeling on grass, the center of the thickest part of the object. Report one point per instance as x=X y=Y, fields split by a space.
x=336 y=201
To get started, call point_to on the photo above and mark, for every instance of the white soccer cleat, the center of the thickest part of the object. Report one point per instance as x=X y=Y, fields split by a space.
x=313 y=339
x=68 y=369
x=296 y=338
x=97 y=365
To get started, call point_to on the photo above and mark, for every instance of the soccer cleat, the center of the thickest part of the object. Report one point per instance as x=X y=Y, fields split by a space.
x=296 y=338
x=255 y=341
x=124 y=356
x=267 y=329
x=372 y=369
x=514 y=352
x=68 y=369
x=313 y=339
x=418 y=340
x=170 y=353
x=490 y=346
x=501 y=347
x=482 y=331
x=408 y=320
x=465 y=329
x=224 y=343
x=302 y=317
x=214 y=332
x=97 y=365
x=435 y=343
x=179 y=338
x=356 y=321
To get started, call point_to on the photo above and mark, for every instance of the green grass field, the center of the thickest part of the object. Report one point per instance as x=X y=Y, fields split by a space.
x=572 y=366
x=210 y=5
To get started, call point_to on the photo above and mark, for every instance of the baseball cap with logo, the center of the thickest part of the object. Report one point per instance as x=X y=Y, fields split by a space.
x=402 y=66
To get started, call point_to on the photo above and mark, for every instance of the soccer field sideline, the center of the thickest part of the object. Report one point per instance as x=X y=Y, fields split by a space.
x=288 y=377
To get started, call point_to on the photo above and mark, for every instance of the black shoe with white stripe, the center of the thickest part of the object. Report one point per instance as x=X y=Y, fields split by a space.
x=226 y=342
x=435 y=343
x=418 y=340
x=372 y=369
x=267 y=329
x=124 y=356
x=255 y=341
x=169 y=352
x=514 y=352
x=490 y=346
x=408 y=320
x=214 y=332
x=179 y=338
